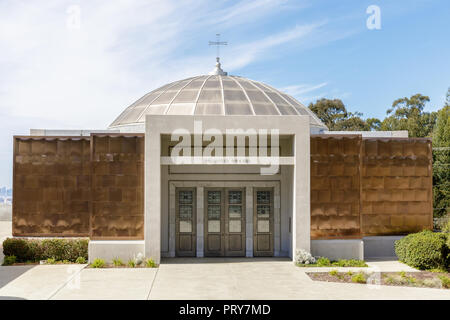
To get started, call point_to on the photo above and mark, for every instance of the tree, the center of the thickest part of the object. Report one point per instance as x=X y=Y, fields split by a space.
x=329 y=111
x=336 y=117
x=407 y=114
x=441 y=160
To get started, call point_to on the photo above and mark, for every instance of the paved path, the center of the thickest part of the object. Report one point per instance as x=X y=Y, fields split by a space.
x=212 y=278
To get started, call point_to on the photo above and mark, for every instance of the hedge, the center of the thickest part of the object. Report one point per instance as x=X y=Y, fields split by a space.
x=424 y=250
x=43 y=249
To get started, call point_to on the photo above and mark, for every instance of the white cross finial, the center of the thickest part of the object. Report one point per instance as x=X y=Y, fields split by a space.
x=218 y=43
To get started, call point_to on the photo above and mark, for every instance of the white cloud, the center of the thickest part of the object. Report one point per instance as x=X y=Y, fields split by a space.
x=58 y=77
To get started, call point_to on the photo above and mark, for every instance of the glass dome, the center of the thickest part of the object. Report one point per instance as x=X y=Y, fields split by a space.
x=215 y=95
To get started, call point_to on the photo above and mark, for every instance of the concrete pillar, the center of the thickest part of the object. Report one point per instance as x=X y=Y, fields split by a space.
x=172 y=209
x=249 y=221
x=152 y=204
x=200 y=219
x=301 y=218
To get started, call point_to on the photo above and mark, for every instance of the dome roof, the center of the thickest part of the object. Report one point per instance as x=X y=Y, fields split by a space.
x=216 y=94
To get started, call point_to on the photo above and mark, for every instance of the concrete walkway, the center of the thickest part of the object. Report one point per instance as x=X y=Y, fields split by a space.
x=208 y=278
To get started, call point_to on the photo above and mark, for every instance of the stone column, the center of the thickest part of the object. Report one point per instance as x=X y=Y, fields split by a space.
x=301 y=215
x=249 y=221
x=200 y=219
x=152 y=204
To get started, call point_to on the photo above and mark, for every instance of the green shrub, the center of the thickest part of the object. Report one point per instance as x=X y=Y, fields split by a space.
x=131 y=263
x=423 y=250
x=359 y=278
x=445 y=281
x=117 y=262
x=81 y=260
x=333 y=273
x=9 y=260
x=51 y=261
x=36 y=249
x=18 y=248
x=323 y=262
x=349 y=263
x=149 y=263
x=98 y=263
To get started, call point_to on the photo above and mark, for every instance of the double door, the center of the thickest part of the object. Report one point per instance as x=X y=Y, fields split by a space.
x=224 y=233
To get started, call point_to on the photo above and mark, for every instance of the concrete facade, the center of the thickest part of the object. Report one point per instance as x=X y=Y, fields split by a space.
x=380 y=246
x=158 y=224
x=338 y=249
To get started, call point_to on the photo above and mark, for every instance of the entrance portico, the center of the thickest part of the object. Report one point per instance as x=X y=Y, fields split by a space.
x=285 y=227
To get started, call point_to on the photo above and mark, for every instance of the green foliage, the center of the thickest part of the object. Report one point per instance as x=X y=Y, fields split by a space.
x=9 y=260
x=349 y=263
x=445 y=281
x=19 y=248
x=333 y=272
x=81 y=260
x=149 y=263
x=131 y=263
x=359 y=278
x=323 y=262
x=423 y=250
x=51 y=261
x=117 y=262
x=441 y=162
x=336 y=117
x=98 y=263
x=407 y=114
x=35 y=250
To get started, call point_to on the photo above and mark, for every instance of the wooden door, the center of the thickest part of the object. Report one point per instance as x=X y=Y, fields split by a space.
x=185 y=222
x=263 y=222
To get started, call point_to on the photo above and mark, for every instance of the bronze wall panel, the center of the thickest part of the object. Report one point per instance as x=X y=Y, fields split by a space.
x=396 y=180
x=335 y=187
x=117 y=186
x=51 y=186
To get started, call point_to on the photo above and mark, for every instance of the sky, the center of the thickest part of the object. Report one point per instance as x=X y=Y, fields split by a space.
x=78 y=64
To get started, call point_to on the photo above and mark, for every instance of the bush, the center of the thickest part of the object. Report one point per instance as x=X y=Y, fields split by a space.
x=98 y=263
x=423 y=250
x=18 y=248
x=445 y=281
x=131 y=263
x=349 y=263
x=9 y=260
x=359 y=278
x=304 y=257
x=323 y=262
x=149 y=263
x=117 y=262
x=36 y=249
x=81 y=260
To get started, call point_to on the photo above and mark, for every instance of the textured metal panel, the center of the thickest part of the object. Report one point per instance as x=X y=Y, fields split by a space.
x=396 y=181
x=335 y=187
x=51 y=186
x=117 y=186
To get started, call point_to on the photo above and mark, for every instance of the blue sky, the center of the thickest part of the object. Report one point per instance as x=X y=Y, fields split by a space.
x=78 y=64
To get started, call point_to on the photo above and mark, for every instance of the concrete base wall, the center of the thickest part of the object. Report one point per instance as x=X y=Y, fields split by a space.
x=338 y=249
x=110 y=249
x=380 y=246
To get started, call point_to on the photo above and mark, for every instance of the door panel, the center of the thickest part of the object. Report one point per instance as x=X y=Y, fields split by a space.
x=213 y=222
x=263 y=222
x=185 y=222
x=224 y=222
x=235 y=222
